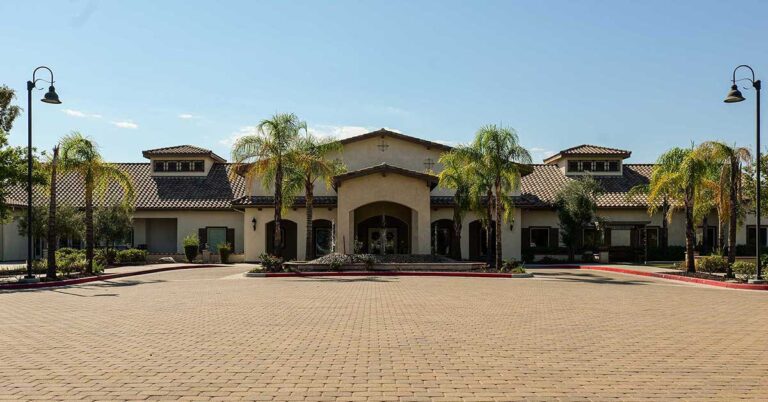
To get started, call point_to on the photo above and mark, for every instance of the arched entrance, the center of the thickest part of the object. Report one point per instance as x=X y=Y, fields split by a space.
x=321 y=229
x=383 y=228
x=441 y=233
x=478 y=241
x=289 y=239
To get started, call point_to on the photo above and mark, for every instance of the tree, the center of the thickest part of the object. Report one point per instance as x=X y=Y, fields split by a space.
x=678 y=174
x=309 y=162
x=264 y=156
x=80 y=155
x=113 y=223
x=749 y=187
x=70 y=223
x=52 y=243
x=657 y=205
x=454 y=176
x=13 y=168
x=728 y=186
x=501 y=158
x=576 y=206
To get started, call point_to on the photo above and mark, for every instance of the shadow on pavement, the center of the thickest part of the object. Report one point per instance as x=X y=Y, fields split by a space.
x=115 y=283
x=587 y=277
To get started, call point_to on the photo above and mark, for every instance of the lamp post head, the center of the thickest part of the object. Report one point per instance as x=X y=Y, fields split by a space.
x=51 y=96
x=734 y=95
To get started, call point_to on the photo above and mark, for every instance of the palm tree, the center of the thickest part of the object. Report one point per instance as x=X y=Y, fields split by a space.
x=730 y=159
x=678 y=174
x=266 y=156
x=52 y=243
x=454 y=176
x=310 y=162
x=80 y=155
x=662 y=204
x=501 y=159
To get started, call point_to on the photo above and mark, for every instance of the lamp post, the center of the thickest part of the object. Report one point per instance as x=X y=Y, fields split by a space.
x=49 y=97
x=734 y=96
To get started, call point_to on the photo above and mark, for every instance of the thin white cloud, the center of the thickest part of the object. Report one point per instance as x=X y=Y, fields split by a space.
x=125 y=124
x=340 y=132
x=78 y=113
x=541 y=153
x=242 y=132
x=188 y=116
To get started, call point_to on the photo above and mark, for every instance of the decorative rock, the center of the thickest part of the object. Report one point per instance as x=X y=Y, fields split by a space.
x=166 y=260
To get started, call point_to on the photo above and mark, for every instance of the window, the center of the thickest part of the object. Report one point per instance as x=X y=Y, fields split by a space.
x=600 y=166
x=216 y=236
x=586 y=166
x=751 y=236
x=179 y=166
x=652 y=237
x=613 y=166
x=573 y=166
x=540 y=237
x=591 y=237
x=593 y=166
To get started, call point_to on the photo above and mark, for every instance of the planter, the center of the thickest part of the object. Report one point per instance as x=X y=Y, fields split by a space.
x=525 y=275
x=255 y=274
x=191 y=252
x=426 y=266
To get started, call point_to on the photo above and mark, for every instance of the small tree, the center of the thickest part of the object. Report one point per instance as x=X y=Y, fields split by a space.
x=576 y=208
x=69 y=223
x=113 y=223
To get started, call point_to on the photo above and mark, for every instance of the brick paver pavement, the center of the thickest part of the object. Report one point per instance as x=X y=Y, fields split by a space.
x=211 y=334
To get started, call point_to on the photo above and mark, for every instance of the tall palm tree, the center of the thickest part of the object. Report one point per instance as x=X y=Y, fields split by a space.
x=309 y=163
x=661 y=204
x=729 y=183
x=52 y=243
x=501 y=158
x=266 y=156
x=80 y=155
x=678 y=174
x=454 y=176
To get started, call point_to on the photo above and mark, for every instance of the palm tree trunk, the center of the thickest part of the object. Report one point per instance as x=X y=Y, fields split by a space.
x=278 y=237
x=89 y=224
x=488 y=226
x=310 y=238
x=664 y=225
x=704 y=235
x=52 y=243
x=689 y=231
x=497 y=208
x=733 y=215
x=456 y=240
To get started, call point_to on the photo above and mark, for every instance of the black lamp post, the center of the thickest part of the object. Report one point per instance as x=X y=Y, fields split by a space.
x=53 y=98
x=734 y=96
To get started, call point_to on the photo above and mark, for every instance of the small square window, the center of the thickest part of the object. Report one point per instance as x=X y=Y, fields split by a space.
x=613 y=166
x=159 y=166
x=172 y=166
x=185 y=166
x=199 y=166
x=599 y=166
x=586 y=166
x=573 y=166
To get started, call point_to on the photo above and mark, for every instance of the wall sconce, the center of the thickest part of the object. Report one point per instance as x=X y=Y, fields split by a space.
x=253 y=222
x=512 y=226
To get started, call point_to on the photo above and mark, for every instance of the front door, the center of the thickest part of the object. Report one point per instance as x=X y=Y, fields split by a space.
x=382 y=241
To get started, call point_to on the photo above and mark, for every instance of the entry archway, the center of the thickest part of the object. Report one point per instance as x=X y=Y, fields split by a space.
x=441 y=233
x=289 y=239
x=478 y=241
x=383 y=228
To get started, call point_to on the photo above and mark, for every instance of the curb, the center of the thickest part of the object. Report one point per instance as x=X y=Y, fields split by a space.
x=77 y=281
x=700 y=281
x=386 y=273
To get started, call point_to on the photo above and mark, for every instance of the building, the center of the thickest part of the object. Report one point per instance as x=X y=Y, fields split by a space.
x=390 y=190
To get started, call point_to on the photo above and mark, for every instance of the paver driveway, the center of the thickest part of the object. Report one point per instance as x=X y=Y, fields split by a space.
x=207 y=333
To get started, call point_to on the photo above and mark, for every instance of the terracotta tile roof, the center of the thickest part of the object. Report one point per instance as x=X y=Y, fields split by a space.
x=268 y=201
x=383 y=132
x=540 y=188
x=589 y=150
x=214 y=191
x=182 y=150
x=385 y=168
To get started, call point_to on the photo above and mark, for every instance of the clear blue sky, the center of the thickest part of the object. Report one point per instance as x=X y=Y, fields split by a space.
x=638 y=75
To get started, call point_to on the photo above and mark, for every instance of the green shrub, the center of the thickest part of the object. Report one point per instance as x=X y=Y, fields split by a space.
x=131 y=256
x=744 y=270
x=711 y=264
x=225 y=249
x=509 y=266
x=108 y=255
x=368 y=260
x=271 y=263
x=191 y=240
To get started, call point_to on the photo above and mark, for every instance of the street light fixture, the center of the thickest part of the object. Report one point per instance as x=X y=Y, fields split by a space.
x=53 y=98
x=734 y=96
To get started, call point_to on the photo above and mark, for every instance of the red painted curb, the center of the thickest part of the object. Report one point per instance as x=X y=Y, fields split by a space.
x=68 y=282
x=701 y=281
x=388 y=273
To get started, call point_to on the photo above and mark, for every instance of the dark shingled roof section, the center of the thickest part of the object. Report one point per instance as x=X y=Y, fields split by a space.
x=385 y=168
x=540 y=188
x=183 y=150
x=214 y=191
x=268 y=201
x=588 y=150
x=384 y=132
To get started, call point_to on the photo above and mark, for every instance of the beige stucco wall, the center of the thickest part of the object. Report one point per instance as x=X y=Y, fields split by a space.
x=255 y=241
x=188 y=222
x=13 y=247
